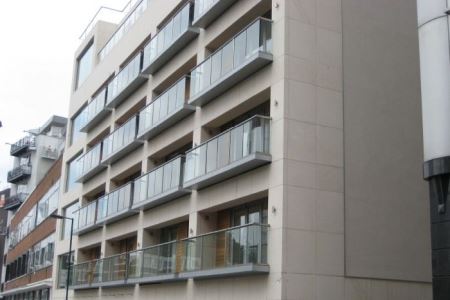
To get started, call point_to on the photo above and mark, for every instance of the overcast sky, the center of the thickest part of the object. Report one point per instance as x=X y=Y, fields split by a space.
x=38 y=40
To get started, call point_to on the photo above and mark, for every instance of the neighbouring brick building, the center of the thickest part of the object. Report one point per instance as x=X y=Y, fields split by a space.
x=29 y=256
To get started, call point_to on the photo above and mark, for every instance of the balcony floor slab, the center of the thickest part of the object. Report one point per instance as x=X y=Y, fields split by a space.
x=95 y=120
x=212 y=13
x=128 y=90
x=121 y=152
x=179 y=43
x=253 y=64
x=171 y=120
x=245 y=164
x=91 y=173
x=161 y=198
x=240 y=270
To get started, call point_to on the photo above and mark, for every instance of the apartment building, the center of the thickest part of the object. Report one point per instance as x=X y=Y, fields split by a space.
x=33 y=155
x=4 y=195
x=253 y=149
x=29 y=256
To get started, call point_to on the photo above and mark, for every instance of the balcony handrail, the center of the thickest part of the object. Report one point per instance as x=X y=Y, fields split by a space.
x=227 y=229
x=122 y=125
x=228 y=130
x=102 y=258
x=90 y=150
x=122 y=22
x=86 y=205
x=164 y=92
x=25 y=141
x=160 y=166
x=139 y=53
x=94 y=98
x=127 y=254
x=174 y=14
x=101 y=8
x=229 y=40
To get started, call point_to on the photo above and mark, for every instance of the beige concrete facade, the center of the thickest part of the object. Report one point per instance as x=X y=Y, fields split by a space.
x=336 y=149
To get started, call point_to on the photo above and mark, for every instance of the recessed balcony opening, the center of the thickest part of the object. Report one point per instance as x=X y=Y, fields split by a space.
x=246 y=53
x=236 y=243
x=163 y=258
x=86 y=216
x=170 y=39
x=84 y=273
x=164 y=181
x=89 y=164
x=126 y=176
x=237 y=146
x=121 y=141
x=115 y=205
x=164 y=111
x=95 y=111
x=125 y=82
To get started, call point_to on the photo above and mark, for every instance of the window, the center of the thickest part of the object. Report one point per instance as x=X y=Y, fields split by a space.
x=77 y=123
x=63 y=265
x=73 y=172
x=84 y=65
x=69 y=212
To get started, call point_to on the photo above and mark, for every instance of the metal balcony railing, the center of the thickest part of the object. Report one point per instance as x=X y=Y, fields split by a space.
x=160 y=185
x=125 y=82
x=246 y=53
x=22 y=146
x=240 y=250
x=167 y=109
x=233 y=152
x=175 y=35
x=19 y=173
x=121 y=141
x=15 y=200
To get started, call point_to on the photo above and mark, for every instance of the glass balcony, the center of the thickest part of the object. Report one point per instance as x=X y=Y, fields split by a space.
x=242 y=56
x=115 y=205
x=165 y=111
x=235 y=251
x=132 y=12
x=233 y=152
x=125 y=82
x=206 y=11
x=22 y=146
x=121 y=141
x=156 y=263
x=49 y=152
x=95 y=111
x=19 y=174
x=89 y=163
x=172 y=38
x=85 y=218
x=83 y=275
x=160 y=185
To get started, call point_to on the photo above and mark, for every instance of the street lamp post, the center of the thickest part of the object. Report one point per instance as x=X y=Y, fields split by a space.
x=56 y=216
